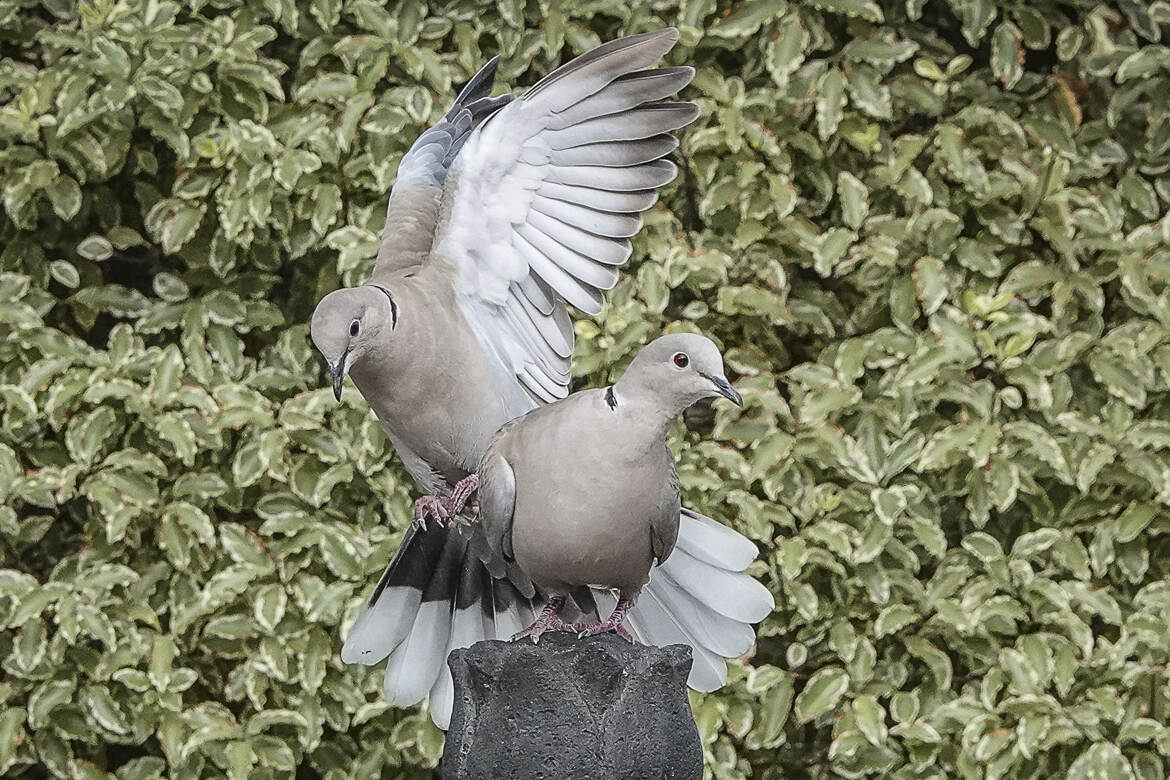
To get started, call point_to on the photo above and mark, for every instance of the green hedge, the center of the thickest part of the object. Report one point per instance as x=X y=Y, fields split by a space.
x=930 y=235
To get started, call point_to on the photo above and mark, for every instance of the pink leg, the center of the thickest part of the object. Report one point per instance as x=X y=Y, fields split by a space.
x=462 y=491
x=442 y=509
x=614 y=623
x=548 y=620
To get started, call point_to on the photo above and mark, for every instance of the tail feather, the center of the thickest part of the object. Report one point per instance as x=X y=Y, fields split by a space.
x=733 y=594
x=467 y=628
x=414 y=665
x=700 y=596
x=729 y=638
x=712 y=542
x=438 y=594
x=661 y=627
x=382 y=626
x=512 y=612
x=391 y=610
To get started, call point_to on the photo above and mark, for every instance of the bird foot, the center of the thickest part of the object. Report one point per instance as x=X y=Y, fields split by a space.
x=429 y=506
x=442 y=509
x=593 y=629
x=541 y=625
x=612 y=625
x=548 y=620
x=462 y=492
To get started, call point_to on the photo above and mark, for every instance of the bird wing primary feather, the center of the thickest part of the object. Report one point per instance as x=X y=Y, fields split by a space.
x=416 y=198
x=542 y=199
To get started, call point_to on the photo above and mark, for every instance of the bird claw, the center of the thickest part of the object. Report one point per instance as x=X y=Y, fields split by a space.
x=612 y=625
x=441 y=509
x=462 y=493
x=593 y=629
x=432 y=506
x=547 y=620
x=540 y=626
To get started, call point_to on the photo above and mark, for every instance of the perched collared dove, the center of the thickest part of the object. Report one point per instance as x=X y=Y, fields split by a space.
x=504 y=213
x=584 y=493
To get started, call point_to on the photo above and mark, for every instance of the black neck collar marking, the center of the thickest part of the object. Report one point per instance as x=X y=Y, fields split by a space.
x=393 y=305
x=610 y=398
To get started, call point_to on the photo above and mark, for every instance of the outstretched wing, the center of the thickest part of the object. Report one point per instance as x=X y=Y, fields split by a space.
x=415 y=199
x=545 y=195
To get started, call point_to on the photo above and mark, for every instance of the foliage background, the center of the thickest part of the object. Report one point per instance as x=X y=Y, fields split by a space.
x=930 y=233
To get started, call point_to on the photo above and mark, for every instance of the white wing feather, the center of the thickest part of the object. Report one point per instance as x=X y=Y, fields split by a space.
x=543 y=196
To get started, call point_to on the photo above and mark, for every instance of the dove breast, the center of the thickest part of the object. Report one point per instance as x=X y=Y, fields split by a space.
x=585 y=509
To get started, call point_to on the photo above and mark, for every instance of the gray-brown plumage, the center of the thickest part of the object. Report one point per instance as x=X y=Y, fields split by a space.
x=583 y=492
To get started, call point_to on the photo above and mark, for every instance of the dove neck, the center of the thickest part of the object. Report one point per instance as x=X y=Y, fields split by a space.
x=647 y=404
x=399 y=350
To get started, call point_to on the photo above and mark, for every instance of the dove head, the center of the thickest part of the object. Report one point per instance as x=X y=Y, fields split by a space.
x=346 y=323
x=678 y=370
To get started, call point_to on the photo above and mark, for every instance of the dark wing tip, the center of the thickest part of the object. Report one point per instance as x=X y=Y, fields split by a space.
x=481 y=83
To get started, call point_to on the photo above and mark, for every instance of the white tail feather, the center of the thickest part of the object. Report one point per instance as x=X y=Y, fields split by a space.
x=733 y=594
x=467 y=628
x=714 y=543
x=718 y=633
x=413 y=666
x=660 y=627
x=382 y=627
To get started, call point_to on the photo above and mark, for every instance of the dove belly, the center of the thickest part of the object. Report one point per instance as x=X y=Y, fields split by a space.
x=590 y=531
x=437 y=395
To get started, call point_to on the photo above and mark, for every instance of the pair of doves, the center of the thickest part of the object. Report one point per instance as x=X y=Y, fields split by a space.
x=503 y=214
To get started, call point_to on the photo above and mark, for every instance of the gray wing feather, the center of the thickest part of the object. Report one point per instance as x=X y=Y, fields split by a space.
x=664 y=528
x=497 y=502
x=663 y=535
x=580 y=294
x=416 y=199
x=616 y=155
x=626 y=92
x=633 y=125
x=596 y=69
x=603 y=223
x=566 y=261
x=594 y=247
x=591 y=197
x=543 y=299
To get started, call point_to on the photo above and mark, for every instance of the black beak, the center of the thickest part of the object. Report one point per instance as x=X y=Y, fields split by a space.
x=337 y=373
x=727 y=391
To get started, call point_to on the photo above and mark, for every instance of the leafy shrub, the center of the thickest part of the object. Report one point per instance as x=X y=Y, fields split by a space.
x=930 y=233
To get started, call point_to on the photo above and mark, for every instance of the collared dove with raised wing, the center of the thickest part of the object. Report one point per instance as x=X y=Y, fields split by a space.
x=504 y=214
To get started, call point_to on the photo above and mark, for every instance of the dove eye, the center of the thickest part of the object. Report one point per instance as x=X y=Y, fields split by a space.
x=354 y=327
x=681 y=360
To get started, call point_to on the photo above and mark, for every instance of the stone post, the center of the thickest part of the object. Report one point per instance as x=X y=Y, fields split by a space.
x=597 y=707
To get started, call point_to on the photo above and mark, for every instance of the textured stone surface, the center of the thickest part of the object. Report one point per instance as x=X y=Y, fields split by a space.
x=598 y=707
